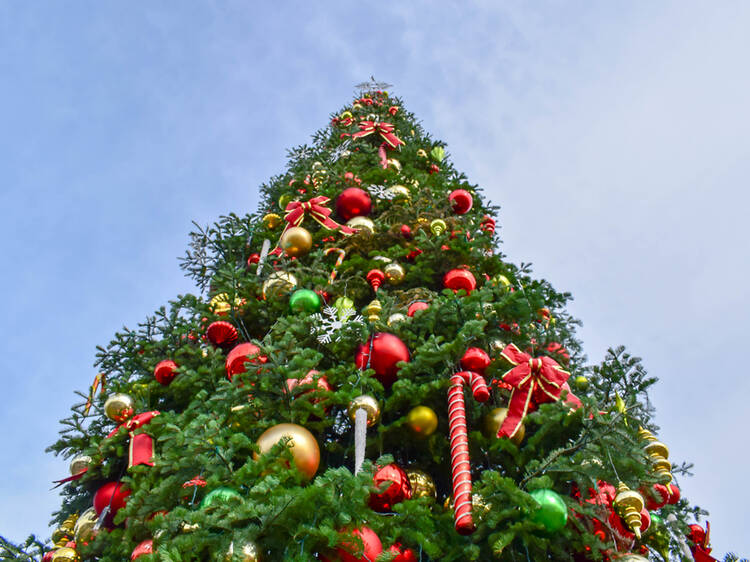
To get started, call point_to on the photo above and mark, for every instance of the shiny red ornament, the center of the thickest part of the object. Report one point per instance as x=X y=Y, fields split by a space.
x=252 y=260
x=354 y=551
x=487 y=224
x=375 y=278
x=396 y=484
x=458 y=279
x=222 y=334
x=48 y=556
x=434 y=169
x=406 y=231
x=309 y=380
x=413 y=254
x=146 y=547
x=403 y=554
x=353 y=202
x=461 y=201
x=475 y=359
x=415 y=306
x=387 y=351
x=656 y=496
x=674 y=494
x=112 y=495
x=393 y=109
x=240 y=355
x=165 y=371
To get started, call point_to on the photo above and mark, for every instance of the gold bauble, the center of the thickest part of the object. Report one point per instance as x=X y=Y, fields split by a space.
x=422 y=420
x=65 y=554
x=369 y=404
x=271 y=220
x=278 y=284
x=628 y=505
x=363 y=224
x=438 y=226
x=119 y=407
x=394 y=273
x=188 y=527
x=496 y=346
x=501 y=280
x=296 y=241
x=79 y=464
x=346 y=115
x=84 y=527
x=393 y=164
x=317 y=165
x=479 y=506
x=398 y=193
x=494 y=419
x=302 y=445
x=247 y=552
x=422 y=485
x=356 y=106
x=395 y=318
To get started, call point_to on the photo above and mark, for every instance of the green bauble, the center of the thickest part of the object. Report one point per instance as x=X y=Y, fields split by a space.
x=220 y=496
x=305 y=300
x=552 y=512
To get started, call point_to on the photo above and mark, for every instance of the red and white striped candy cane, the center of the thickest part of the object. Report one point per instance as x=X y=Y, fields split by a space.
x=339 y=260
x=460 y=465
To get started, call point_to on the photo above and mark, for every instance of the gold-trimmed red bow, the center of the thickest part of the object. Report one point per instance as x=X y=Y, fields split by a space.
x=385 y=130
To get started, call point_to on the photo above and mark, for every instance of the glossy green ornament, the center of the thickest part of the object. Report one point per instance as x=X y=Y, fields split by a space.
x=220 y=496
x=305 y=300
x=342 y=304
x=438 y=153
x=552 y=512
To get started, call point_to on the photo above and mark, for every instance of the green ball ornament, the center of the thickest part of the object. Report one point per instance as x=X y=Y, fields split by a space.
x=552 y=512
x=220 y=496
x=305 y=300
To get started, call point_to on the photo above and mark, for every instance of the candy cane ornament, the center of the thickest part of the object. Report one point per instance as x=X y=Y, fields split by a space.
x=460 y=464
x=339 y=260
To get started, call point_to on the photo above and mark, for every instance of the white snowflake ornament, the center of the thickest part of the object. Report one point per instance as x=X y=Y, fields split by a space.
x=331 y=324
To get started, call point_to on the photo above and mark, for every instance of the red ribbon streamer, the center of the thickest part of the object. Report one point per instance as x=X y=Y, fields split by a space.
x=383 y=156
x=141 y=449
x=534 y=381
x=385 y=130
x=460 y=463
x=99 y=379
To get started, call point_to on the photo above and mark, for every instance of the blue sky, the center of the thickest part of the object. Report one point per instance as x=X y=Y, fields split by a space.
x=615 y=138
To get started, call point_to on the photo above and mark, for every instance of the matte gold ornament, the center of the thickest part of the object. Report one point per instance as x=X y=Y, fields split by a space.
x=84 y=529
x=628 y=505
x=363 y=224
x=79 y=464
x=278 y=284
x=369 y=404
x=272 y=220
x=296 y=241
x=398 y=193
x=394 y=273
x=393 y=164
x=422 y=420
x=494 y=419
x=247 y=552
x=373 y=310
x=395 y=318
x=302 y=445
x=422 y=485
x=438 y=226
x=119 y=407
x=65 y=554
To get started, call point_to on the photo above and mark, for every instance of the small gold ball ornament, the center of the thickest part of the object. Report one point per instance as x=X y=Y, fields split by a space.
x=296 y=241
x=302 y=444
x=363 y=224
x=422 y=484
x=422 y=420
x=394 y=273
x=395 y=318
x=84 y=527
x=278 y=284
x=65 y=554
x=272 y=220
x=119 y=407
x=369 y=404
x=438 y=226
x=247 y=552
x=496 y=346
x=494 y=419
x=79 y=464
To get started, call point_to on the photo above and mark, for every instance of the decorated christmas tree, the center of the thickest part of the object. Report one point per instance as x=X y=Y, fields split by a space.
x=362 y=375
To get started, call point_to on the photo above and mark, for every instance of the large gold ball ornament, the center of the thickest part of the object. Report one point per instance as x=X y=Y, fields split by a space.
x=398 y=193
x=272 y=220
x=394 y=273
x=84 y=527
x=246 y=551
x=422 y=485
x=369 y=404
x=65 y=554
x=119 y=407
x=494 y=419
x=79 y=464
x=278 y=284
x=422 y=420
x=438 y=226
x=296 y=241
x=363 y=224
x=302 y=445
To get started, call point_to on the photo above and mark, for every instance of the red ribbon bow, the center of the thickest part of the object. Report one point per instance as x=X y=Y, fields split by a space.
x=141 y=449
x=385 y=130
x=296 y=211
x=535 y=380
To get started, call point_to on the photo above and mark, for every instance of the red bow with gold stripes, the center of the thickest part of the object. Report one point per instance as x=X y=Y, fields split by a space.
x=141 y=449
x=316 y=207
x=385 y=130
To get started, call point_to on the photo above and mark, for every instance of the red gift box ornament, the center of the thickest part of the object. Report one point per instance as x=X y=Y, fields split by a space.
x=141 y=449
x=535 y=380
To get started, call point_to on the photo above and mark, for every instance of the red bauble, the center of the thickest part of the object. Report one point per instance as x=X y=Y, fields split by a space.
x=238 y=357
x=413 y=307
x=221 y=334
x=370 y=548
x=457 y=279
x=309 y=380
x=353 y=202
x=48 y=556
x=674 y=494
x=146 y=547
x=165 y=371
x=475 y=359
x=111 y=494
x=397 y=491
x=402 y=554
x=387 y=351
x=406 y=231
x=697 y=534
x=252 y=260
x=461 y=201
x=375 y=278
x=656 y=496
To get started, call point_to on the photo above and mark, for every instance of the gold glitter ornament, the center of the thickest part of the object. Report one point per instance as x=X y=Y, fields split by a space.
x=422 y=484
x=272 y=220
x=278 y=284
x=369 y=404
x=362 y=224
x=119 y=407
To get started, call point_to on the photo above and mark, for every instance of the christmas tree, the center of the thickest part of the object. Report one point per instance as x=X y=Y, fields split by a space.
x=361 y=376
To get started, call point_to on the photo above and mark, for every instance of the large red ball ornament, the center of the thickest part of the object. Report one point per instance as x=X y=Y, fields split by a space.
x=475 y=359
x=656 y=496
x=674 y=494
x=146 y=547
x=112 y=495
x=461 y=201
x=396 y=484
x=353 y=202
x=165 y=371
x=457 y=279
x=387 y=351
x=244 y=353
x=221 y=334
x=352 y=551
x=402 y=554
x=415 y=306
